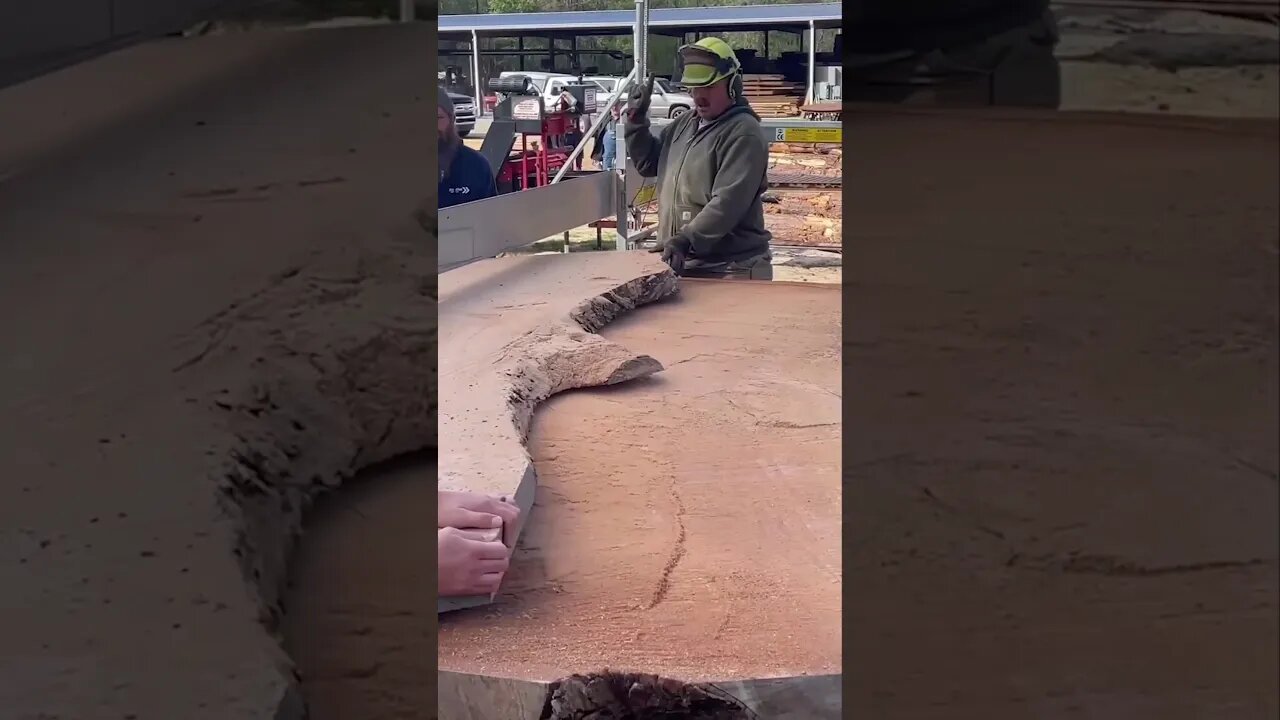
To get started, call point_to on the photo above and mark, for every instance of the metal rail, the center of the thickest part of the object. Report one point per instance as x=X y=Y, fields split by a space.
x=486 y=228
x=601 y=118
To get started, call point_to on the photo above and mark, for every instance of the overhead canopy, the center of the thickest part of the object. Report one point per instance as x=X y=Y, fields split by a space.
x=673 y=21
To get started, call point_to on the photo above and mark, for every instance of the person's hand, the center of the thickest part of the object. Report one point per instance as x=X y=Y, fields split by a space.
x=467 y=564
x=474 y=510
x=638 y=100
x=675 y=252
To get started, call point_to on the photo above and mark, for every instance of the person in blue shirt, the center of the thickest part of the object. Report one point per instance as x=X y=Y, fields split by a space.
x=610 y=139
x=465 y=176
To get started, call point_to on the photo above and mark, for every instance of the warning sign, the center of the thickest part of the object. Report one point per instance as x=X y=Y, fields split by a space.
x=808 y=135
x=530 y=109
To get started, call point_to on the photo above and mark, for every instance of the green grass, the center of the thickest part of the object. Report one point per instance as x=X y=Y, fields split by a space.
x=575 y=245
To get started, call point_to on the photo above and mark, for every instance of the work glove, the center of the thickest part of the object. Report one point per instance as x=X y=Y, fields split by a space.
x=638 y=100
x=675 y=252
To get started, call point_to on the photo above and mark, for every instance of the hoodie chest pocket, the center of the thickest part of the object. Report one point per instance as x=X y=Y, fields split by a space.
x=697 y=175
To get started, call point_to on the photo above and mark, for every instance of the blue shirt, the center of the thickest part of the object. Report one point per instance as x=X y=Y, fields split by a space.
x=468 y=179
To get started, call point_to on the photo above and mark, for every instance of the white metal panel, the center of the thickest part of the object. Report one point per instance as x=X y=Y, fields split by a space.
x=488 y=227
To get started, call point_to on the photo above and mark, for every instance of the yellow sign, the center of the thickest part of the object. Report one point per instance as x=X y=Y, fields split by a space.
x=645 y=195
x=808 y=135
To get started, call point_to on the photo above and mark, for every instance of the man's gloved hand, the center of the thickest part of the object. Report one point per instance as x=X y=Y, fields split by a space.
x=638 y=100
x=675 y=252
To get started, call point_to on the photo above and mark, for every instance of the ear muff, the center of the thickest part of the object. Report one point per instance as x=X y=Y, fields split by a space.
x=735 y=87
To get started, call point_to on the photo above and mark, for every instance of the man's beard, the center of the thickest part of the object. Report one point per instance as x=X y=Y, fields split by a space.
x=447 y=144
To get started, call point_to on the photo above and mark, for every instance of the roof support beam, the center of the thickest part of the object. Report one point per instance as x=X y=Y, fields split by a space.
x=475 y=74
x=813 y=57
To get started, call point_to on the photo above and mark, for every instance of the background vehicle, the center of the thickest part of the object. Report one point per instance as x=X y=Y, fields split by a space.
x=668 y=99
x=464 y=111
x=549 y=84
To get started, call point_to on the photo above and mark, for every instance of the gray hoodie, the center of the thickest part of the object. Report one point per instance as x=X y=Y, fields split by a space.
x=710 y=180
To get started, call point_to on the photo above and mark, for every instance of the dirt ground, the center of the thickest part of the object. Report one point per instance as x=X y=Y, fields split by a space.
x=1061 y=463
x=804 y=218
x=1176 y=63
x=635 y=556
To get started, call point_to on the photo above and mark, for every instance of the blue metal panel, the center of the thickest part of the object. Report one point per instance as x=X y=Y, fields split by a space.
x=799 y=15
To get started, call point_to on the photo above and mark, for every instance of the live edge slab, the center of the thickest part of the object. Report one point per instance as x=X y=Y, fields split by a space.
x=514 y=331
x=685 y=538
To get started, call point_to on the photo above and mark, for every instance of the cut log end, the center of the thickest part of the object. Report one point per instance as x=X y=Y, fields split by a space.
x=599 y=696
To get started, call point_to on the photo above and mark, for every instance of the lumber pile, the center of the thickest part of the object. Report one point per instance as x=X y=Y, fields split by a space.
x=822 y=111
x=773 y=96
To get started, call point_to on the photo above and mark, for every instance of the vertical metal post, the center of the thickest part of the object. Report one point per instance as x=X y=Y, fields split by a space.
x=638 y=45
x=640 y=73
x=813 y=51
x=407 y=13
x=620 y=192
x=475 y=73
x=520 y=45
x=646 y=40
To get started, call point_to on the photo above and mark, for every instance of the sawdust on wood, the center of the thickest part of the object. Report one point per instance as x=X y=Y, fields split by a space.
x=686 y=525
x=1064 y=438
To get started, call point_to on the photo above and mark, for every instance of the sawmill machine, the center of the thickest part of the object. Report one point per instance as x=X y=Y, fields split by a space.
x=546 y=128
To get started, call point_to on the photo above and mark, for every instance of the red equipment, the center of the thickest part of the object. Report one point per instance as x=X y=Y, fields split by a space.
x=555 y=125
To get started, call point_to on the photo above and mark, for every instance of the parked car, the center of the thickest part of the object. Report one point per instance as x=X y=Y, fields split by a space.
x=464 y=111
x=669 y=100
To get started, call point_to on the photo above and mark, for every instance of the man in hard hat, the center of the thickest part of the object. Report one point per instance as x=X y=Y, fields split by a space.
x=465 y=176
x=712 y=167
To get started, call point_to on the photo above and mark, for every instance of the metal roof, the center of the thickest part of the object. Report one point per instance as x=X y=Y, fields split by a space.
x=824 y=15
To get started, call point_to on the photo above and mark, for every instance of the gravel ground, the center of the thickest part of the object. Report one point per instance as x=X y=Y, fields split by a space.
x=1178 y=63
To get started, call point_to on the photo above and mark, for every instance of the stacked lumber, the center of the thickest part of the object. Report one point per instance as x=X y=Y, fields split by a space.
x=822 y=111
x=773 y=96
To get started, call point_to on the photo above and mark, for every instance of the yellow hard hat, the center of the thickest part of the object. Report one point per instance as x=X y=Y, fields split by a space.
x=706 y=62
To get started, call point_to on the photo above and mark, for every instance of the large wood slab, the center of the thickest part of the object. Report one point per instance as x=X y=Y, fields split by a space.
x=216 y=306
x=688 y=524
x=517 y=330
